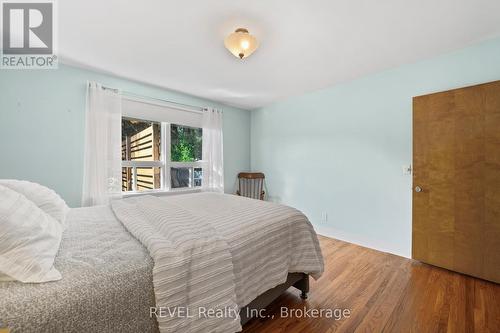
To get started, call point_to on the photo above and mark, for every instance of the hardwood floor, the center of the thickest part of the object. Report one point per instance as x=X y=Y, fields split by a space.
x=386 y=293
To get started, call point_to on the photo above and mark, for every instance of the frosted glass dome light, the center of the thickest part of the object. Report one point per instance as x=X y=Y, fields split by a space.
x=241 y=43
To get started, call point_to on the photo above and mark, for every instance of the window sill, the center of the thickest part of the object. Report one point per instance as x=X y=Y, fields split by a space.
x=162 y=192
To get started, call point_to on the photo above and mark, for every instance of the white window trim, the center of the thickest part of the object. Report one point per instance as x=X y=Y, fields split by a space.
x=142 y=164
x=165 y=164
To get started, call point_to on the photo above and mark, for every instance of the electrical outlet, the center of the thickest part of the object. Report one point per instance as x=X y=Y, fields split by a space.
x=324 y=217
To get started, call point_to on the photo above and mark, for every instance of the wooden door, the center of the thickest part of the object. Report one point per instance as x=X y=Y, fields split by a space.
x=456 y=180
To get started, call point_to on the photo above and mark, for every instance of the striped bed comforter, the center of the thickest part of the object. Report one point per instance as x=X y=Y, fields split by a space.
x=214 y=253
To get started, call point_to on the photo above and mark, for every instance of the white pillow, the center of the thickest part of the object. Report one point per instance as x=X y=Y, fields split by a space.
x=29 y=240
x=45 y=198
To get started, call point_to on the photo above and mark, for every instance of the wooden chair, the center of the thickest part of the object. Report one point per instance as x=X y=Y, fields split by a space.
x=251 y=185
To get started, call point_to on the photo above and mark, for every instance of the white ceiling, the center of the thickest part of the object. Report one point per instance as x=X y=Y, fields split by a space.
x=305 y=45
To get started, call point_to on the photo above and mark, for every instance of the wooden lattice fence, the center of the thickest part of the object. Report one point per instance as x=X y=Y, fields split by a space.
x=143 y=146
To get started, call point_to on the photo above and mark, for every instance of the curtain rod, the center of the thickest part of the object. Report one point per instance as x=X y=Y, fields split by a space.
x=192 y=108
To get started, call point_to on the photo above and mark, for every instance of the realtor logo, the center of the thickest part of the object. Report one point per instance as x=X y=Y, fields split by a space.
x=28 y=32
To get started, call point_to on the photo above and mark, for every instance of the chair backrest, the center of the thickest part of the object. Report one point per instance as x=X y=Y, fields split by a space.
x=251 y=185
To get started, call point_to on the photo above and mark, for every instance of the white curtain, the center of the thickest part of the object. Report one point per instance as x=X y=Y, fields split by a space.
x=212 y=151
x=102 y=159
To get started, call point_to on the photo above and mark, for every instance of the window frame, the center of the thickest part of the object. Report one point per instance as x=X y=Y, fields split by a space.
x=165 y=163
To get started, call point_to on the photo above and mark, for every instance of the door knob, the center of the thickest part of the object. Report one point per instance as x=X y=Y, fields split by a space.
x=418 y=189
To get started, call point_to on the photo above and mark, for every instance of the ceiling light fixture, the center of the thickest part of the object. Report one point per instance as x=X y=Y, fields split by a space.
x=241 y=43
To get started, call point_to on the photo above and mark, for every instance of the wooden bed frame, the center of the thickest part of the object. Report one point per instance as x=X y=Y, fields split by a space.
x=297 y=280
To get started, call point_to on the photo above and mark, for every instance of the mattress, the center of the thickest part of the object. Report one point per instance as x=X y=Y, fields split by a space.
x=107 y=283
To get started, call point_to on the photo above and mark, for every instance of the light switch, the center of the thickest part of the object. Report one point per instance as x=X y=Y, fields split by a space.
x=407 y=170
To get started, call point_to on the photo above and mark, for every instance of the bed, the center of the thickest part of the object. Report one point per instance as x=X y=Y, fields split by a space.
x=108 y=269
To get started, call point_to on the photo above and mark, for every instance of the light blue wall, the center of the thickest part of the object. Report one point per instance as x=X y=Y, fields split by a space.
x=42 y=126
x=341 y=150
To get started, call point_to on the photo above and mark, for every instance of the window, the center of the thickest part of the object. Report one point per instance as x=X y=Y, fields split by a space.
x=160 y=156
